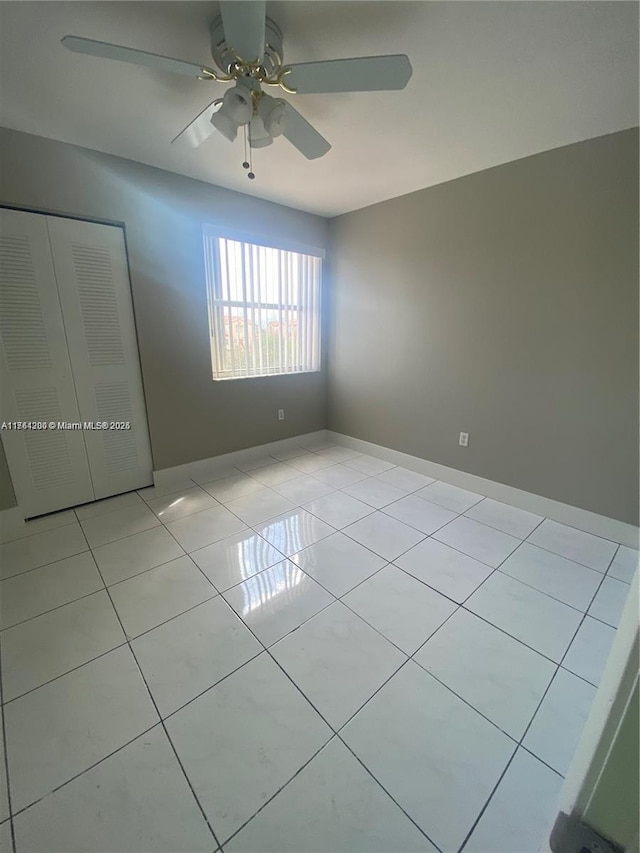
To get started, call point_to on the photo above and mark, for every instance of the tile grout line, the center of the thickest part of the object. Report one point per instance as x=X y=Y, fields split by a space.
x=118 y=749
x=51 y=610
x=564 y=557
x=378 y=631
x=299 y=568
x=490 y=575
x=115 y=583
x=367 y=476
x=6 y=758
x=431 y=536
x=583 y=613
x=127 y=639
x=499 y=529
x=285 y=558
x=300 y=506
x=19 y=538
x=360 y=583
x=62 y=675
x=102 y=544
x=188 y=554
x=84 y=551
x=357 y=711
x=267 y=649
x=161 y=721
x=193 y=488
x=126 y=636
x=519 y=745
x=586 y=532
x=51 y=562
x=524 y=583
x=458 y=515
x=553 y=597
x=215 y=684
x=120 y=538
x=281 y=788
x=160 y=624
x=490 y=797
x=528 y=727
x=541 y=760
x=23 y=809
x=406 y=814
x=221 y=594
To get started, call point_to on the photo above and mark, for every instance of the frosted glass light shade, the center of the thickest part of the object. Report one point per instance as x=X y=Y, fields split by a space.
x=273 y=112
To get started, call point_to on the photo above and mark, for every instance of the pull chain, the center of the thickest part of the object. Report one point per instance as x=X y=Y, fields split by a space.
x=246 y=164
x=250 y=174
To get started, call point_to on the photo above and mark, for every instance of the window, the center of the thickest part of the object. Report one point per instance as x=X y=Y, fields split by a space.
x=264 y=309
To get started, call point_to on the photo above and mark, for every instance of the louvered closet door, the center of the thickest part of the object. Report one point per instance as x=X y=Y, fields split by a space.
x=49 y=468
x=93 y=282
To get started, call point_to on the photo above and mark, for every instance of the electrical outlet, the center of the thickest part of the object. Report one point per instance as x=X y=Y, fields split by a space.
x=463 y=441
x=280 y=414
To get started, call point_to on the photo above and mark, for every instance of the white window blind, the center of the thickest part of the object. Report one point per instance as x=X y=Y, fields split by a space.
x=264 y=309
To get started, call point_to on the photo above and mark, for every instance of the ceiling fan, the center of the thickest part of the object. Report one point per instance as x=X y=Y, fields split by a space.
x=247 y=49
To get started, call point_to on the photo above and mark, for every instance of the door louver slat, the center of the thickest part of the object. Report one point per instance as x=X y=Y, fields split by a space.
x=47 y=450
x=113 y=402
x=96 y=290
x=24 y=338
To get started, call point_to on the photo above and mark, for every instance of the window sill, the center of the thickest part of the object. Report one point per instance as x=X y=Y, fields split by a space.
x=265 y=375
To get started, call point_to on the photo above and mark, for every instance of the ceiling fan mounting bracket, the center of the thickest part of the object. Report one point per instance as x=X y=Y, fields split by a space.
x=267 y=69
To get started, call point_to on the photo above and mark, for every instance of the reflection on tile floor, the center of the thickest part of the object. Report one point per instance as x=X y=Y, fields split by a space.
x=319 y=652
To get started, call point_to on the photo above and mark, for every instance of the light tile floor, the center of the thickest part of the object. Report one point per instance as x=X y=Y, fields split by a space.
x=318 y=652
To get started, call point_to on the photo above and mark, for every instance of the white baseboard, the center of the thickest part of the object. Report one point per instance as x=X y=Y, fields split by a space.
x=582 y=519
x=203 y=468
x=12 y=525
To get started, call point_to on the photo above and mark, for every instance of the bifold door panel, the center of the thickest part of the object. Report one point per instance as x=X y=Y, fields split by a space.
x=93 y=281
x=68 y=355
x=49 y=468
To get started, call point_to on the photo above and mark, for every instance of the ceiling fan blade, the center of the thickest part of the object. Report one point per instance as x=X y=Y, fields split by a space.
x=243 y=24
x=304 y=136
x=137 y=57
x=365 y=74
x=195 y=133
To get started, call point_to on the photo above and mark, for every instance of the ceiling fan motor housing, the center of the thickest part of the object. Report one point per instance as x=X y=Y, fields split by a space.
x=225 y=57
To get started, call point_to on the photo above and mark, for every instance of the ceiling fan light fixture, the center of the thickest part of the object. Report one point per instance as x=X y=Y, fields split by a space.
x=226 y=126
x=237 y=102
x=273 y=113
x=235 y=111
x=259 y=137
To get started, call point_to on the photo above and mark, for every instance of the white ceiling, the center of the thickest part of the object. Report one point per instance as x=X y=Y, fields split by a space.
x=492 y=82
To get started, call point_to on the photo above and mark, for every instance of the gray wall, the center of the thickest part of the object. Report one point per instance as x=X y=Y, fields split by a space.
x=503 y=304
x=7 y=495
x=190 y=416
